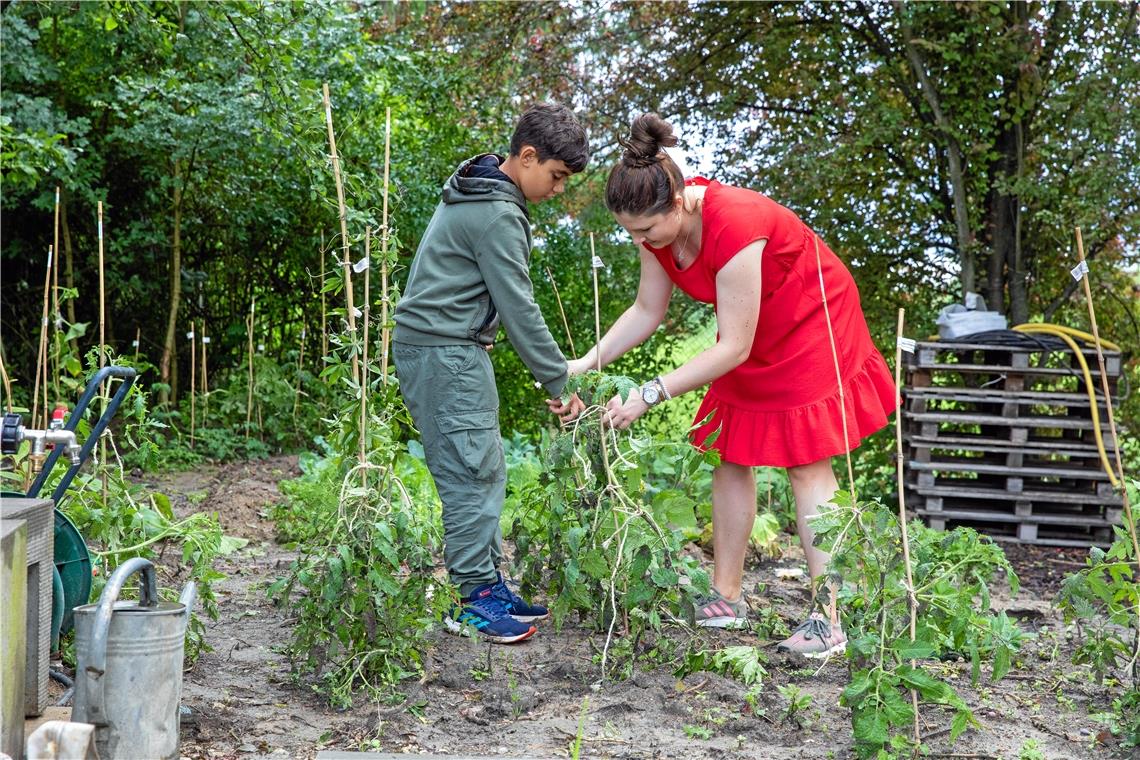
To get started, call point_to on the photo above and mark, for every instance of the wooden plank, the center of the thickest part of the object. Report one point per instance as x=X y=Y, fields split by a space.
x=997 y=494
x=1005 y=517
x=1062 y=423
x=988 y=469
x=953 y=393
x=941 y=346
x=1042 y=447
x=983 y=444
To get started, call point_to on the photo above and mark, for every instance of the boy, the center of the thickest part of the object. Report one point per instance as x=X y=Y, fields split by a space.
x=470 y=272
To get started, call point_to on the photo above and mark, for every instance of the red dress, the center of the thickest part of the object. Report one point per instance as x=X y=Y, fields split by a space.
x=781 y=407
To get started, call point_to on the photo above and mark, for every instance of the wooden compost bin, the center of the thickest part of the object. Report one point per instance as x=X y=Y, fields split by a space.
x=1002 y=439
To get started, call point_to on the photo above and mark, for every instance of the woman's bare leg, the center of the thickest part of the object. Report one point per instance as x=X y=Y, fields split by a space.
x=734 y=512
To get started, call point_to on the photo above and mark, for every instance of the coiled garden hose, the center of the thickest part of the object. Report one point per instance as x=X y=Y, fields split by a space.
x=1067 y=334
x=67 y=682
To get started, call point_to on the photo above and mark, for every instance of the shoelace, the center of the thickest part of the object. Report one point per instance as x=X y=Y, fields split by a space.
x=814 y=627
x=502 y=592
x=489 y=607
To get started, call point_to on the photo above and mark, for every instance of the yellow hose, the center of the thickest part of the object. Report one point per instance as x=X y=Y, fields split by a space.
x=1067 y=334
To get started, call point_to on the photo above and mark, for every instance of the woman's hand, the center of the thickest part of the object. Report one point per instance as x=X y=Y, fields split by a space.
x=621 y=415
x=568 y=409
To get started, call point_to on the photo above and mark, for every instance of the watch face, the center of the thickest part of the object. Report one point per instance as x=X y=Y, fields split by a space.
x=650 y=394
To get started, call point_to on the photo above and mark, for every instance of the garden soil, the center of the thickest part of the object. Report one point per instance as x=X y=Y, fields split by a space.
x=538 y=698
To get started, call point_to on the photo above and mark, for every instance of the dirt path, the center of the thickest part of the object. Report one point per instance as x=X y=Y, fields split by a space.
x=528 y=700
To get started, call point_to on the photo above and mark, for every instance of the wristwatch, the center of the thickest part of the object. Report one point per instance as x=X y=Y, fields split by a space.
x=653 y=392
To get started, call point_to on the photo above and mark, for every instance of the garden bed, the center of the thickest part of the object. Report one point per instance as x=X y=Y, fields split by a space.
x=536 y=699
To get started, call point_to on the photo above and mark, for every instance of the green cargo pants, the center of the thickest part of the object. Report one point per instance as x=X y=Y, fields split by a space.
x=451 y=394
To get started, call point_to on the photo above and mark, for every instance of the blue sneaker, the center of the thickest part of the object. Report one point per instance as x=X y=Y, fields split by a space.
x=517 y=607
x=486 y=613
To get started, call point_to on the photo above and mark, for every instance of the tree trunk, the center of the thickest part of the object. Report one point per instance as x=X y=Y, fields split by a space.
x=68 y=266
x=953 y=149
x=168 y=345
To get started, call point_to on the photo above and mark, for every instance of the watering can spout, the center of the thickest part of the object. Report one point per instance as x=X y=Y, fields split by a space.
x=188 y=597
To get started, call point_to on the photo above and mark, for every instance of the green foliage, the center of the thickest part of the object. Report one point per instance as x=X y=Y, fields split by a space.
x=1103 y=599
x=952 y=573
x=592 y=534
x=744 y=663
x=120 y=519
x=363 y=588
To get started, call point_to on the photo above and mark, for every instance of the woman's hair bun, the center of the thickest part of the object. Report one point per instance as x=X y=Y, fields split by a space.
x=648 y=134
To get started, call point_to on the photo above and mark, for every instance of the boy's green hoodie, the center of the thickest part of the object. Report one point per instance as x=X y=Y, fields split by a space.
x=472 y=270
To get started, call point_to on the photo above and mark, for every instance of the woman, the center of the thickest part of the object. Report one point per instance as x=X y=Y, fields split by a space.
x=774 y=396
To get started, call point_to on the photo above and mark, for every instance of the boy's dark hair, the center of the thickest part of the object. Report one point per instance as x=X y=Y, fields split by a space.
x=554 y=133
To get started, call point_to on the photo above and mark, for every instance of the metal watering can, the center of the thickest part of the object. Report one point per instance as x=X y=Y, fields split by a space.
x=128 y=674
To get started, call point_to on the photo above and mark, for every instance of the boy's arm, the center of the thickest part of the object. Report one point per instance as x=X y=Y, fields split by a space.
x=502 y=255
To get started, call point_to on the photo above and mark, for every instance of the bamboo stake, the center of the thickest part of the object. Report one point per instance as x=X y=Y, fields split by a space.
x=56 y=317
x=363 y=457
x=300 y=368
x=324 y=318
x=1115 y=442
x=249 y=394
x=838 y=373
x=597 y=308
x=205 y=378
x=138 y=343
x=561 y=311
x=842 y=408
x=384 y=332
x=102 y=355
x=7 y=383
x=193 y=379
x=912 y=601
x=347 y=264
x=41 y=351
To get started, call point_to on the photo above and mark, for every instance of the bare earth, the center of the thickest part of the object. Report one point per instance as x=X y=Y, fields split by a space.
x=526 y=700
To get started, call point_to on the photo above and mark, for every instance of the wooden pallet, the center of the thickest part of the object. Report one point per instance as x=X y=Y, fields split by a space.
x=1002 y=439
x=1005 y=368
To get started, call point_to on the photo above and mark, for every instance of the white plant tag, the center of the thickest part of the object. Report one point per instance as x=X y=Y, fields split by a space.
x=361 y=265
x=598 y=263
x=190 y=335
x=260 y=347
x=906 y=344
x=1079 y=270
x=205 y=338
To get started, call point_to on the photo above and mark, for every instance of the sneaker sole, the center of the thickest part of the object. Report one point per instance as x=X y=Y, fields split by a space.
x=458 y=629
x=531 y=618
x=723 y=622
x=837 y=649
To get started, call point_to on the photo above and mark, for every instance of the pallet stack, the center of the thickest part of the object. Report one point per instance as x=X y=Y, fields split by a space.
x=1001 y=438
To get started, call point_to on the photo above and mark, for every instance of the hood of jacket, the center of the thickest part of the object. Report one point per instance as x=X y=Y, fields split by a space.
x=479 y=180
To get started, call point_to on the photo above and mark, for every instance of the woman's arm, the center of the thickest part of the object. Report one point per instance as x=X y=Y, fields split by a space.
x=738 y=308
x=637 y=322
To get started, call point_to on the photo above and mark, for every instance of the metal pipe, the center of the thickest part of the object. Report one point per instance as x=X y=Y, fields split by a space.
x=127 y=375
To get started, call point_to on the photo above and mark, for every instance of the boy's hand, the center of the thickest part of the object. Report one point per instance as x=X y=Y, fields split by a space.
x=568 y=409
x=621 y=416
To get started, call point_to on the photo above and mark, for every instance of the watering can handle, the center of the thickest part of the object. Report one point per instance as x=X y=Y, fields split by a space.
x=97 y=666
